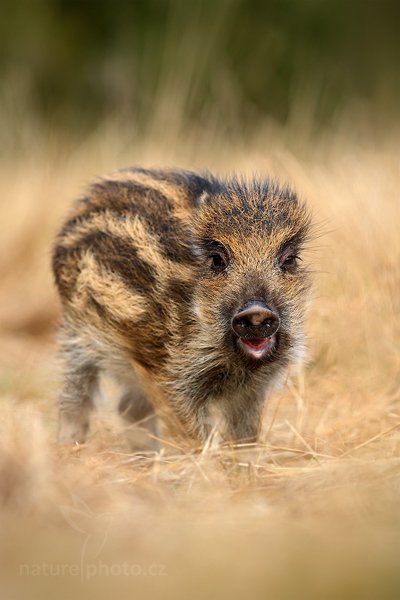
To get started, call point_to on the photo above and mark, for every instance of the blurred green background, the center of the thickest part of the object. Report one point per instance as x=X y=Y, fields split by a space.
x=70 y=64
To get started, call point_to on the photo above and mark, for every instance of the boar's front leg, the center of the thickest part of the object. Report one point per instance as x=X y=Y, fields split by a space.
x=243 y=418
x=189 y=420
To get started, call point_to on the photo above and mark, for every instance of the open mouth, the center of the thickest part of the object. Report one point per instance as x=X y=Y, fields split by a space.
x=257 y=348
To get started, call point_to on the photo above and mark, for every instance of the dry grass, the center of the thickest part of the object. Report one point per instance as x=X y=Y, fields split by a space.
x=312 y=513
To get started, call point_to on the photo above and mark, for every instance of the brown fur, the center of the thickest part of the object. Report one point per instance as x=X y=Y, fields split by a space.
x=133 y=266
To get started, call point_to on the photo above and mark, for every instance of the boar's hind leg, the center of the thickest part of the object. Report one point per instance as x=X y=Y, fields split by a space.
x=134 y=405
x=76 y=401
x=135 y=408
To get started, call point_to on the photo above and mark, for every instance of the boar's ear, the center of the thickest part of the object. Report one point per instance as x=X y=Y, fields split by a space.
x=201 y=199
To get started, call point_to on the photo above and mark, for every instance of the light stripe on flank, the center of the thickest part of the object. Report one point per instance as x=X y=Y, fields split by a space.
x=176 y=194
x=108 y=290
x=134 y=233
x=166 y=188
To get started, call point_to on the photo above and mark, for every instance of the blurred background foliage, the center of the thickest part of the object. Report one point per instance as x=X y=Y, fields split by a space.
x=70 y=64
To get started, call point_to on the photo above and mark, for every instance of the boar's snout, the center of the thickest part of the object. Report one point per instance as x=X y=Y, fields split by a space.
x=255 y=321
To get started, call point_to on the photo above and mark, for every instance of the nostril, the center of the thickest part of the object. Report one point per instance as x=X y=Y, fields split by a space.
x=243 y=322
x=255 y=320
x=267 y=323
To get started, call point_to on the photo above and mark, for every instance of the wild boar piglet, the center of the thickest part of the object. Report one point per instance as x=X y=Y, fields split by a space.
x=186 y=288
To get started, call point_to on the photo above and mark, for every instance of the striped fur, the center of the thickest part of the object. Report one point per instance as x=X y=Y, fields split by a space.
x=133 y=266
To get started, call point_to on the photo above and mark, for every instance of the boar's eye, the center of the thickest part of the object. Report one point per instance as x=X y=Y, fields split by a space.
x=288 y=260
x=218 y=262
x=217 y=255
